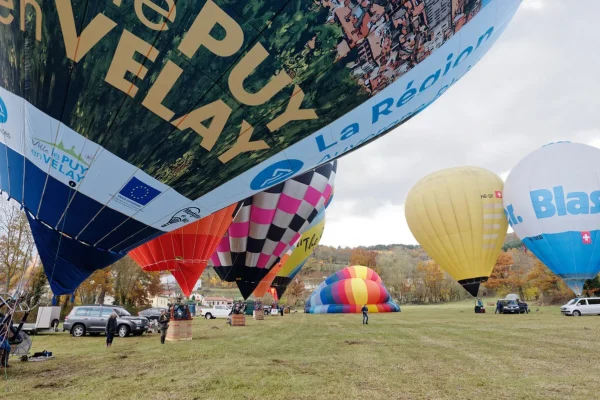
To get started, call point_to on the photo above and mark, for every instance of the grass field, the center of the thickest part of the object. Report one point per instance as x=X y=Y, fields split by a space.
x=424 y=352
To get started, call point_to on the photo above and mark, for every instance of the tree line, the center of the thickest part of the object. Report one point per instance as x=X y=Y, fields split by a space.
x=409 y=274
x=412 y=277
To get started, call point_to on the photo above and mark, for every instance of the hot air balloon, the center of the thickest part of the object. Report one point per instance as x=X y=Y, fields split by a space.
x=117 y=118
x=264 y=286
x=268 y=224
x=348 y=290
x=456 y=216
x=280 y=276
x=185 y=251
x=552 y=201
x=300 y=254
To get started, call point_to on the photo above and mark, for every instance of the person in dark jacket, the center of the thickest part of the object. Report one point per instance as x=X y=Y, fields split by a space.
x=365 y=310
x=163 y=320
x=5 y=323
x=111 y=329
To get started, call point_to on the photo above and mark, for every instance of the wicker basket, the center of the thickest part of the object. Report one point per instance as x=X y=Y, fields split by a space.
x=238 y=320
x=179 y=330
x=259 y=315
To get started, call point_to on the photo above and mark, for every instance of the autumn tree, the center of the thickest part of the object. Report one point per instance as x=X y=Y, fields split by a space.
x=294 y=292
x=501 y=278
x=16 y=244
x=592 y=286
x=132 y=285
x=432 y=279
x=37 y=288
x=367 y=258
x=95 y=288
x=551 y=287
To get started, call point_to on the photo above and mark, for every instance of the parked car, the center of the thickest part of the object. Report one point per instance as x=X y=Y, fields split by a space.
x=216 y=311
x=582 y=306
x=510 y=307
x=92 y=319
x=152 y=313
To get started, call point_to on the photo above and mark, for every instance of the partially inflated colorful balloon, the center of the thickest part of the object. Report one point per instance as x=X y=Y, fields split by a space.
x=348 y=290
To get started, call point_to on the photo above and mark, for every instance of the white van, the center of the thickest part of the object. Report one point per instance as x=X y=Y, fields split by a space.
x=582 y=306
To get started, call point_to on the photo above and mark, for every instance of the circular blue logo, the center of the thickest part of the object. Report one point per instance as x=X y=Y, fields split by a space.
x=3 y=112
x=276 y=173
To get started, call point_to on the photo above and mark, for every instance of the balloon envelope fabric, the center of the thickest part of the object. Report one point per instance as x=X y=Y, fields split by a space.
x=116 y=118
x=268 y=224
x=552 y=201
x=456 y=216
x=302 y=250
x=185 y=251
x=265 y=285
x=348 y=290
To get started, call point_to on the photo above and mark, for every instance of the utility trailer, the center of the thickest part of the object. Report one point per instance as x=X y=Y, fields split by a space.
x=48 y=319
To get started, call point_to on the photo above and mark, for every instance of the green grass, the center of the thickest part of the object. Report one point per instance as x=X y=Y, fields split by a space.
x=424 y=352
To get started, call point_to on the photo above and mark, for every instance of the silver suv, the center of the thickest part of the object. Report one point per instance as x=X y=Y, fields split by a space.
x=92 y=319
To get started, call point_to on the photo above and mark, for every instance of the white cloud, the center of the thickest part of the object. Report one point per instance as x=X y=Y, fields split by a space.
x=537 y=85
x=386 y=225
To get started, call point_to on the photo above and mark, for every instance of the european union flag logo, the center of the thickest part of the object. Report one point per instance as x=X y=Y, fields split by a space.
x=139 y=192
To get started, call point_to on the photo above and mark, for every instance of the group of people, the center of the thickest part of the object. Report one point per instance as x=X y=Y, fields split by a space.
x=112 y=325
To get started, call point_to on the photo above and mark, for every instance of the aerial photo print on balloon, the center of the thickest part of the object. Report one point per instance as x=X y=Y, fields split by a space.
x=117 y=116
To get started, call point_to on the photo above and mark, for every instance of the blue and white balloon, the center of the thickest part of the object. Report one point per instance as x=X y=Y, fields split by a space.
x=552 y=202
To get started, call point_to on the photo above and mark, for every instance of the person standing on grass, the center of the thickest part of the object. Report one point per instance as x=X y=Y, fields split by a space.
x=4 y=335
x=499 y=307
x=111 y=329
x=365 y=310
x=163 y=320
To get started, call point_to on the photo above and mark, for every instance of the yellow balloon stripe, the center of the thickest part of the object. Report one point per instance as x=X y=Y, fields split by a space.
x=359 y=290
x=305 y=247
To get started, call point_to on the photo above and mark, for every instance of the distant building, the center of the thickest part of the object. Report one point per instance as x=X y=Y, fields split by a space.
x=216 y=301
x=162 y=300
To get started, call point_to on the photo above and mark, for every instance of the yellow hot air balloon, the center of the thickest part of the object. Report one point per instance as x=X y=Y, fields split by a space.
x=457 y=216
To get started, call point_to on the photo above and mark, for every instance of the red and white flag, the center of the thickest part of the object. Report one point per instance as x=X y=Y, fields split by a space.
x=586 y=238
x=498 y=194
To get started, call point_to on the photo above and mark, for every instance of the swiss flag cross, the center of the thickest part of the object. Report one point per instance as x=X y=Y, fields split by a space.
x=586 y=238
x=498 y=194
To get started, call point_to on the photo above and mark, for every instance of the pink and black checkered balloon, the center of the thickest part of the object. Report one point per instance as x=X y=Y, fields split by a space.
x=268 y=224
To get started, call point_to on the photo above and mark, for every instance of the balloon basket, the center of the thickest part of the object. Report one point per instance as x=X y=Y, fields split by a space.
x=238 y=320
x=259 y=315
x=179 y=330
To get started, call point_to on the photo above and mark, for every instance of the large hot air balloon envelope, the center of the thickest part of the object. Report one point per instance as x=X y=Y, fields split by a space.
x=300 y=254
x=348 y=290
x=456 y=216
x=268 y=224
x=185 y=251
x=119 y=117
x=552 y=200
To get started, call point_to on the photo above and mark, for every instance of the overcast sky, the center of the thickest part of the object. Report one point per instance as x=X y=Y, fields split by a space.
x=539 y=84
